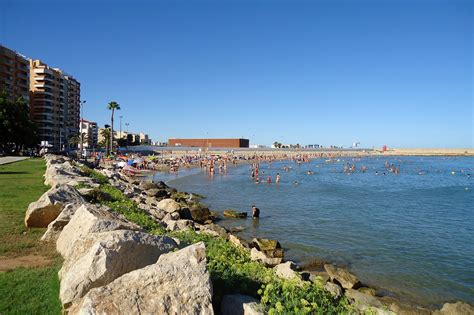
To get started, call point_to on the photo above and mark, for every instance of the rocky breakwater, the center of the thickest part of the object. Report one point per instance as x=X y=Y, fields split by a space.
x=115 y=262
x=111 y=265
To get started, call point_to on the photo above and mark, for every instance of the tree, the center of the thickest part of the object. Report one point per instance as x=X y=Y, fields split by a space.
x=17 y=131
x=105 y=134
x=77 y=139
x=113 y=106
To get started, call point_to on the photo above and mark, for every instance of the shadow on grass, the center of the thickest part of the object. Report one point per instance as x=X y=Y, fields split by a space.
x=10 y=172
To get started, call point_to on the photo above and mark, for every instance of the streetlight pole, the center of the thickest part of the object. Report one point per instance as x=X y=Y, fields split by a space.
x=81 y=138
x=121 y=136
x=126 y=125
x=121 y=127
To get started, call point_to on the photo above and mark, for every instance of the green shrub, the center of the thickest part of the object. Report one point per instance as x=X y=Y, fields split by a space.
x=118 y=202
x=87 y=171
x=82 y=185
x=281 y=296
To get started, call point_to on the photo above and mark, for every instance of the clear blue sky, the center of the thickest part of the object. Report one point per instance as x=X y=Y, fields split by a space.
x=329 y=72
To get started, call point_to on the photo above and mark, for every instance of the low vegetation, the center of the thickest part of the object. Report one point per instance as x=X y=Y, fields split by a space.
x=232 y=271
x=30 y=291
x=25 y=290
x=20 y=184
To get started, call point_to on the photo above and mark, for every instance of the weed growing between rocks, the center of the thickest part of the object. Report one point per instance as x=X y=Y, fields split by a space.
x=232 y=271
x=101 y=178
x=117 y=201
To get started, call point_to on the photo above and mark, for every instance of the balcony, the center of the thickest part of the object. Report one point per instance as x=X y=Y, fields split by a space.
x=43 y=70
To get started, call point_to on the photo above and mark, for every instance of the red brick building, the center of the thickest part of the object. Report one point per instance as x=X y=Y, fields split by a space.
x=210 y=143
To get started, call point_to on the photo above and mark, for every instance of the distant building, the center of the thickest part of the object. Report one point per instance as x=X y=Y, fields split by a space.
x=92 y=133
x=14 y=74
x=144 y=139
x=54 y=104
x=210 y=143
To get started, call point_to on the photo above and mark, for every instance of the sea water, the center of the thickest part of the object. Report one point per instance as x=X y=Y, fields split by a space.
x=411 y=234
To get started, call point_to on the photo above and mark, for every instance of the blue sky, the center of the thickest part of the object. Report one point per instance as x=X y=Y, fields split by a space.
x=327 y=72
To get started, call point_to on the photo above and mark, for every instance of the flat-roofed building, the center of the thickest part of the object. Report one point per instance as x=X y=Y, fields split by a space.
x=90 y=129
x=14 y=74
x=210 y=143
x=54 y=104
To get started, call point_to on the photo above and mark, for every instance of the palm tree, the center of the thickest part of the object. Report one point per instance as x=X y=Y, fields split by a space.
x=105 y=134
x=74 y=140
x=113 y=106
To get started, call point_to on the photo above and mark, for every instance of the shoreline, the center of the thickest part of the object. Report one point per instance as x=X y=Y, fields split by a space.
x=155 y=210
x=180 y=151
x=320 y=261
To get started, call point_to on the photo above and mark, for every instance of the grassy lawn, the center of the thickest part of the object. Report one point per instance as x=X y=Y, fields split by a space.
x=25 y=290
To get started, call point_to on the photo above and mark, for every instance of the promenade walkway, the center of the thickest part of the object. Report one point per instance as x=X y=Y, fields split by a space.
x=11 y=159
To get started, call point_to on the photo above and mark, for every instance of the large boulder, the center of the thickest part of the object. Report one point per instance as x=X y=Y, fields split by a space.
x=364 y=302
x=60 y=174
x=340 y=275
x=168 y=205
x=235 y=214
x=54 y=228
x=405 y=309
x=257 y=255
x=100 y=258
x=238 y=304
x=239 y=242
x=334 y=289
x=215 y=229
x=271 y=248
x=44 y=211
x=286 y=270
x=151 y=185
x=178 y=283
x=179 y=225
x=458 y=308
x=199 y=213
x=90 y=219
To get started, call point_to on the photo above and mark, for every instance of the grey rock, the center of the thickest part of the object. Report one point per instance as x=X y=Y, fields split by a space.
x=100 y=258
x=178 y=283
x=44 y=211
x=90 y=219
x=237 y=304
x=257 y=255
x=458 y=308
x=334 y=289
x=342 y=276
x=286 y=270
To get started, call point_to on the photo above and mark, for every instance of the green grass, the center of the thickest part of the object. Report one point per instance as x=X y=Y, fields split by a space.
x=25 y=290
x=30 y=291
x=20 y=184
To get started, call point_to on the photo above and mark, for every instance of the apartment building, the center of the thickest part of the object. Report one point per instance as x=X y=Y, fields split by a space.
x=90 y=129
x=14 y=74
x=54 y=104
x=144 y=139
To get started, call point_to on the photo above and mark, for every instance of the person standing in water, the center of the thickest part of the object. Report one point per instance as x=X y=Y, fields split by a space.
x=255 y=212
x=277 y=180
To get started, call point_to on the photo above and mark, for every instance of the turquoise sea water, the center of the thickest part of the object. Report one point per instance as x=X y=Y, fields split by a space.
x=411 y=234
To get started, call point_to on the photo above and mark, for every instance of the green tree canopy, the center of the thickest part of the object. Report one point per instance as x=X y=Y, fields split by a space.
x=17 y=131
